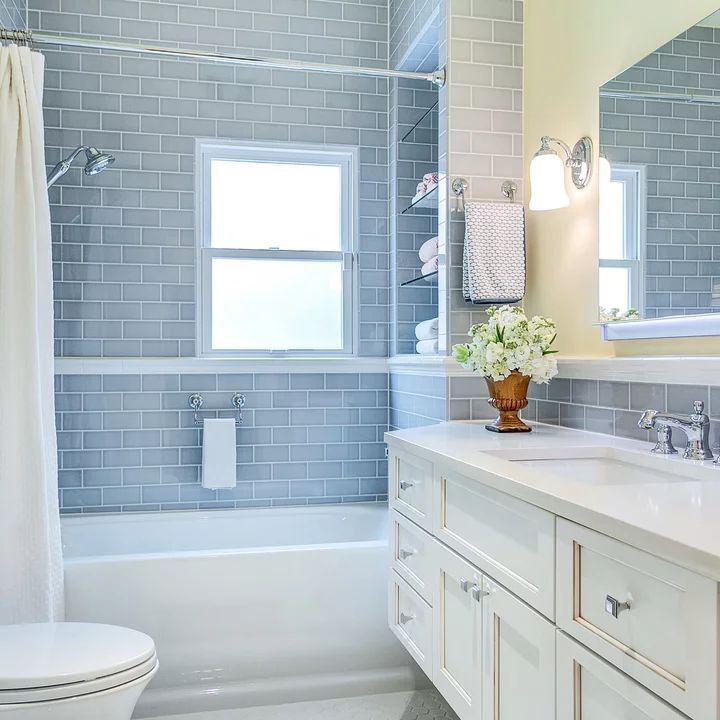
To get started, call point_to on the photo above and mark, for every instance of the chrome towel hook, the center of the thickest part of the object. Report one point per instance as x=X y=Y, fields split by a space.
x=238 y=402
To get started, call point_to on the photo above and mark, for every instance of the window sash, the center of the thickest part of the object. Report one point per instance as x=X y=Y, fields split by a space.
x=633 y=178
x=343 y=157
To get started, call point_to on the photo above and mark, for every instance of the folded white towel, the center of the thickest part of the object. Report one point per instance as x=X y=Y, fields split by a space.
x=426 y=347
x=429 y=249
x=494 y=253
x=430 y=267
x=218 y=453
x=427 y=330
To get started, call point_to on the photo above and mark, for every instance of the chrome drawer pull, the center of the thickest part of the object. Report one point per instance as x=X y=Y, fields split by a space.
x=406 y=485
x=405 y=554
x=615 y=607
x=478 y=593
x=464 y=584
x=405 y=619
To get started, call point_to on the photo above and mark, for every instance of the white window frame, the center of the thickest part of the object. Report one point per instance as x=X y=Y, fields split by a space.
x=634 y=179
x=346 y=157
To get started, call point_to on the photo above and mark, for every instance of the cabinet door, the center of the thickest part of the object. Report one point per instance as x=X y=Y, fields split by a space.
x=518 y=659
x=588 y=688
x=457 y=626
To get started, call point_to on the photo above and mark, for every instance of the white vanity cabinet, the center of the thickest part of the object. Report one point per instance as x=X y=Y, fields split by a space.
x=515 y=612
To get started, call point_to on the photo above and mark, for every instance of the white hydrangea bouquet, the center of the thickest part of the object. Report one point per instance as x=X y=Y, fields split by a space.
x=509 y=350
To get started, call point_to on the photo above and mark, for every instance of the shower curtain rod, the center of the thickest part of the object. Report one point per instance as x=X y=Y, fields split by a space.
x=661 y=96
x=27 y=36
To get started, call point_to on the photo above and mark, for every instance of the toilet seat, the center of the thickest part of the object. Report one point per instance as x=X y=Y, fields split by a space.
x=54 y=661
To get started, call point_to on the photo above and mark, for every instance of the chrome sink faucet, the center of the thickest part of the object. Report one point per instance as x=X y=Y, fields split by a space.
x=696 y=426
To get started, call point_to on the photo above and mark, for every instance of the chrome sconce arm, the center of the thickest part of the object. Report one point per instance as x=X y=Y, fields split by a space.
x=579 y=158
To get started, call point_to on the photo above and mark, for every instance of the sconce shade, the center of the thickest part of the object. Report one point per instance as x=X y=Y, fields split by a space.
x=547 y=182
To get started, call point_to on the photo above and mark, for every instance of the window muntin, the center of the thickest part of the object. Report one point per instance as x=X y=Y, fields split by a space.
x=275 y=250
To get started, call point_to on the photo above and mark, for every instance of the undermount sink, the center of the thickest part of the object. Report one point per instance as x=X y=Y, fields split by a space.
x=606 y=465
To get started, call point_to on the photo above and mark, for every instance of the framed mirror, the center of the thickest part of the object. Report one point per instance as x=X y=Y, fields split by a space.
x=659 y=225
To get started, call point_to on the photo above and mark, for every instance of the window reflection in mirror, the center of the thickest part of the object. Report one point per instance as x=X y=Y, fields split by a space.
x=660 y=181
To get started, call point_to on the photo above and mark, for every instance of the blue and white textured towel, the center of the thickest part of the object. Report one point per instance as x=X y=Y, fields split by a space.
x=494 y=254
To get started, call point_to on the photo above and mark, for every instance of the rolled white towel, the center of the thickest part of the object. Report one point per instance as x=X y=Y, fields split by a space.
x=426 y=347
x=427 y=330
x=430 y=266
x=429 y=249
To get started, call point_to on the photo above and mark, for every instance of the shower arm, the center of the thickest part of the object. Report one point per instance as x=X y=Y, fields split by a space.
x=64 y=165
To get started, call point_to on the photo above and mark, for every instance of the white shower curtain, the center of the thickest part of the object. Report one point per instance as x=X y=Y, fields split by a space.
x=30 y=555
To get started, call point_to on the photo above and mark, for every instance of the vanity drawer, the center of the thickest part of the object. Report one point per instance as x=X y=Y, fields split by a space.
x=666 y=638
x=410 y=618
x=411 y=549
x=511 y=540
x=411 y=487
x=590 y=689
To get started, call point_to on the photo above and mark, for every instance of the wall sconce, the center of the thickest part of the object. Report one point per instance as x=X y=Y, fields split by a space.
x=547 y=172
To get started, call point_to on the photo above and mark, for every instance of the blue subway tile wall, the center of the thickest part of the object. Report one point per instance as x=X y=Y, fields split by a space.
x=417 y=400
x=129 y=443
x=13 y=14
x=408 y=20
x=677 y=145
x=124 y=240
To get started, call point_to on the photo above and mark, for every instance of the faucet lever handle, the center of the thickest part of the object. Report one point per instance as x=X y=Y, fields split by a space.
x=698 y=407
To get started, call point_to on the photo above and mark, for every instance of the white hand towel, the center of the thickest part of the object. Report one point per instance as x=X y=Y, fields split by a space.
x=427 y=330
x=430 y=266
x=494 y=253
x=429 y=249
x=426 y=347
x=219 y=453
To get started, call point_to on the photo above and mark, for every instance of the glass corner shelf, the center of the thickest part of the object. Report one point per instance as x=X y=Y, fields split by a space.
x=419 y=122
x=428 y=200
x=419 y=278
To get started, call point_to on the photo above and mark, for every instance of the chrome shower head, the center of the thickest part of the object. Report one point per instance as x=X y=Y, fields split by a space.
x=96 y=162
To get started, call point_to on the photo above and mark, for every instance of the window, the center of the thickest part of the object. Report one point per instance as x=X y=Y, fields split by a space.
x=275 y=237
x=621 y=246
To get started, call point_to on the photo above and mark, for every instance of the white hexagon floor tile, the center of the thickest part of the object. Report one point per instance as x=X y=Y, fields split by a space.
x=418 y=705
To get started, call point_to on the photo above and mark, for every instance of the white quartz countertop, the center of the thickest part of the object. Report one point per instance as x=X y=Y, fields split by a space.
x=673 y=514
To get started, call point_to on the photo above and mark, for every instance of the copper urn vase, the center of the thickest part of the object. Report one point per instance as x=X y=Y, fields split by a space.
x=508 y=397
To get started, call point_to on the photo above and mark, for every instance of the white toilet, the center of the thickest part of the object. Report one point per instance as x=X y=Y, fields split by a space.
x=73 y=671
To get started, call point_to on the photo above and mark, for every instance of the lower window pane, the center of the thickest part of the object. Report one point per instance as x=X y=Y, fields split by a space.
x=615 y=288
x=260 y=304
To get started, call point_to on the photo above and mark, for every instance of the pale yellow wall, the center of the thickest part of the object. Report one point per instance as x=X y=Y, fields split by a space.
x=571 y=48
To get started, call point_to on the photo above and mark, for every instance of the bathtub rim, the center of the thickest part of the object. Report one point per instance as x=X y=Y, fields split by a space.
x=201 y=516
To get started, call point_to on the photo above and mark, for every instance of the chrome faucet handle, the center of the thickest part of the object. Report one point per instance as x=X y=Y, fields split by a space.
x=664 y=444
x=699 y=408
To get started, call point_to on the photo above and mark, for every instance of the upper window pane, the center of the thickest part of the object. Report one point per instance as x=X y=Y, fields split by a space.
x=613 y=221
x=262 y=205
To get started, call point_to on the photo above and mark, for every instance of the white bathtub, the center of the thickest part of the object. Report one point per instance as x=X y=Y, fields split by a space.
x=246 y=607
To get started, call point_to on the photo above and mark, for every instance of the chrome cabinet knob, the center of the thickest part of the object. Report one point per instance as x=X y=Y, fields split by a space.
x=478 y=593
x=464 y=584
x=614 y=607
x=405 y=619
x=406 y=485
x=405 y=554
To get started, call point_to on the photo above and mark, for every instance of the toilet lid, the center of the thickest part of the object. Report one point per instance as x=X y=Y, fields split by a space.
x=50 y=654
